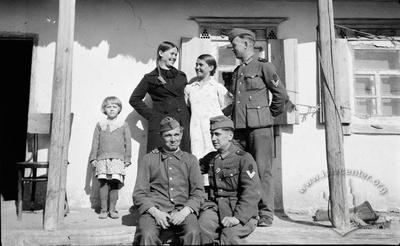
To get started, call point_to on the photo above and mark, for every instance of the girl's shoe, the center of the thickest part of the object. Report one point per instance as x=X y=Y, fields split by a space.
x=114 y=214
x=103 y=215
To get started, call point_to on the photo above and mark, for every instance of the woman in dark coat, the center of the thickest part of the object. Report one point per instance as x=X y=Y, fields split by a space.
x=165 y=84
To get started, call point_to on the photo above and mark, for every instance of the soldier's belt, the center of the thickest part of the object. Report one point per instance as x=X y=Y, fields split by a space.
x=225 y=194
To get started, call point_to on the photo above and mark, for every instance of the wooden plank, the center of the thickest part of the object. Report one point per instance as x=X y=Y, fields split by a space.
x=333 y=133
x=342 y=79
x=61 y=109
x=284 y=57
x=39 y=123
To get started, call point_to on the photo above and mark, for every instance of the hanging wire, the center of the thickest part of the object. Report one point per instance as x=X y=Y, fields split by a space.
x=392 y=39
x=324 y=80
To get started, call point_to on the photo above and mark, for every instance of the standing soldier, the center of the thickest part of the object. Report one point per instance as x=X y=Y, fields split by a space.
x=252 y=113
x=234 y=190
x=169 y=190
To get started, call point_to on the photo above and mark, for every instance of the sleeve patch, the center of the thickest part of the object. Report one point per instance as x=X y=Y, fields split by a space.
x=275 y=80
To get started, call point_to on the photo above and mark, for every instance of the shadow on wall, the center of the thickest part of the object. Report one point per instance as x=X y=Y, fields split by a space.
x=120 y=23
x=92 y=187
x=138 y=135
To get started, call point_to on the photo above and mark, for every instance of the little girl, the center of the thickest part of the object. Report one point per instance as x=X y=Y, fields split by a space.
x=206 y=98
x=110 y=154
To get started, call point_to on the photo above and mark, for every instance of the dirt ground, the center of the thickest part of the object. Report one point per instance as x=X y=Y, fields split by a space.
x=82 y=227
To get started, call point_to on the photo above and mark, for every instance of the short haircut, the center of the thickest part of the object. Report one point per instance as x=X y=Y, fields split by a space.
x=210 y=60
x=227 y=129
x=164 y=46
x=248 y=38
x=111 y=100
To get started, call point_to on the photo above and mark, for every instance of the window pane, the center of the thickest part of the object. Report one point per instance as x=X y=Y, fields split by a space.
x=391 y=107
x=366 y=106
x=226 y=56
x=390 y=85
x=376 y=59
x=364 y=85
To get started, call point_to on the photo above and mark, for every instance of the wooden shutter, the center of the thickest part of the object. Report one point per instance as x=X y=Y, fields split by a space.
x=284 y=57
x=343 y=77
x=191 y=48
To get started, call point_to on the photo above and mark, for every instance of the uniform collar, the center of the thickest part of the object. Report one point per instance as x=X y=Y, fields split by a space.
x=164 y=154
x=230 y=150
x=251 y=58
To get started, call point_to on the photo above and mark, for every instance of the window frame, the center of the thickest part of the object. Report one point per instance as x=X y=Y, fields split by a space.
x=378 y=124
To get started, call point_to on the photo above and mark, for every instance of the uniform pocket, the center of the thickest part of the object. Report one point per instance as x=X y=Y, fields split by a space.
x=258 y=114
x=231 y=178
x=254 y=82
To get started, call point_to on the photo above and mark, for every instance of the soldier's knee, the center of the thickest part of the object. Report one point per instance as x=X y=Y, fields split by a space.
x=149 y=234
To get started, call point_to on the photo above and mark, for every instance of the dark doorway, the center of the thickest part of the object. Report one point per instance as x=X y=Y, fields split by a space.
x=16 y=54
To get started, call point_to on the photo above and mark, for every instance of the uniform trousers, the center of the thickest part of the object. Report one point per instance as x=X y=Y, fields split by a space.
x=259 y=143
x=211 y=229
x=148 y=232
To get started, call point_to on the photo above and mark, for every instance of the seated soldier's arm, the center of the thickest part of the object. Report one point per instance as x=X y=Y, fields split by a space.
x=142 y=186
x=196 y=186
x=249 y=187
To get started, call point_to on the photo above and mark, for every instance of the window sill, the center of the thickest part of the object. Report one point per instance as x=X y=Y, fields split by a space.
x=375 y=129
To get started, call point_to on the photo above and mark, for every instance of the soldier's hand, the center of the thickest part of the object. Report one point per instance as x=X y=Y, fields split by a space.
x=93 y=163
x=178 y=217
x=160 y=217
x=230 y=221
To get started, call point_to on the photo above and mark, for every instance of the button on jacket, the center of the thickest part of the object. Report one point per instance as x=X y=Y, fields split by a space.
x=168 y=182
x=168 y=99
x=234 y=183
x=251 y=82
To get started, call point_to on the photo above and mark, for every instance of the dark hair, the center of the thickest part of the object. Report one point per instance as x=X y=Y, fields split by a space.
x=210 y=60
x=164 y=46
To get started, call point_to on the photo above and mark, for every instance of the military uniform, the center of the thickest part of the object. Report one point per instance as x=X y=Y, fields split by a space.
x=168 y=182
x=253 y=117
x=234 y=191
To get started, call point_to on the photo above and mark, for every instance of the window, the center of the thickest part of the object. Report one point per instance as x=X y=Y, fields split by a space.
x=213 y=40
x=367 y=75
x=376 y=79
x=376 y=82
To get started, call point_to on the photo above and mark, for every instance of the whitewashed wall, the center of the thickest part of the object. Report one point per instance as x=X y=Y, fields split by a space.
x=115 y=43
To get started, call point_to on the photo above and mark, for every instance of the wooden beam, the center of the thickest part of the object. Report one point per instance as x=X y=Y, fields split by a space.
x=333 y=133
x=61 y=110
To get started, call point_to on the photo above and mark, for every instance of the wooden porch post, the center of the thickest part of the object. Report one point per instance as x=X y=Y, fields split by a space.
x=333 y=133
x=61 y=110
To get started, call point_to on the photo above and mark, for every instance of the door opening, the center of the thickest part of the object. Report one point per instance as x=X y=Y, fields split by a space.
x=16 y=75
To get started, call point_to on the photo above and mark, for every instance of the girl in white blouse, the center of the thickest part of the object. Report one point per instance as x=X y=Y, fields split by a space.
x=206 y=98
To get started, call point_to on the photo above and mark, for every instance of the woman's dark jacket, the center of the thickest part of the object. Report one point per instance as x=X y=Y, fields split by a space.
x=168 y=99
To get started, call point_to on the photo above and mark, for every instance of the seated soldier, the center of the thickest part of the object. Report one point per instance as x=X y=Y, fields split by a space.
x=234 y=192
x=168 y=190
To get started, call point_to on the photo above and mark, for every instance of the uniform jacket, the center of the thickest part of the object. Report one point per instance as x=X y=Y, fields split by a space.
x=168 y=99
x=251 y=83
x=168 y=182
x=234 y=183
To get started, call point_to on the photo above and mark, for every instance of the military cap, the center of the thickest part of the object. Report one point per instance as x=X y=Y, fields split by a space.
x=240 y=31
x=168 y=124
x=220 y=121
